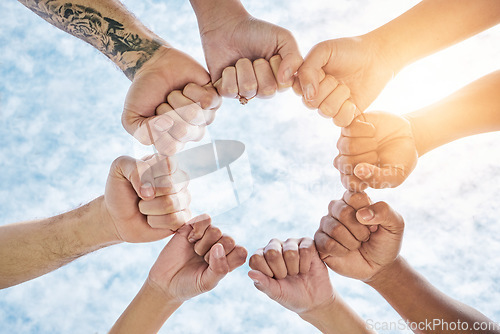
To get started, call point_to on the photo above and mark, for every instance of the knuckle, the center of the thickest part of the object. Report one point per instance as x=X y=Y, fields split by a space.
x=346 y=213
x=272 y=254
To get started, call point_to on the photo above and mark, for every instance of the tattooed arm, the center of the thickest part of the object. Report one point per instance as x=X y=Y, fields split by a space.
x=155 y=68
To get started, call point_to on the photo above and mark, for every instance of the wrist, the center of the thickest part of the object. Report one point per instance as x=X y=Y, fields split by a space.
x=162 y=298
x=420 y=137
x=106 y=225
x=319 y=312
x=387 y=275
x=212 y=14
x=386 y=50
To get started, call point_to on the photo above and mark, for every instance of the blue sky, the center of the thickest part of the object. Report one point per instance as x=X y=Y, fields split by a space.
x=60 y=108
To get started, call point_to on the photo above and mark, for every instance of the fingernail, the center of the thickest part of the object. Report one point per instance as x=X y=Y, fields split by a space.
x=255 y=280
x=363 y=172
x=366 y=214
x=287 y=75
x=163 y=123
x=309 y=92
x=218 y=251
x=147 y=190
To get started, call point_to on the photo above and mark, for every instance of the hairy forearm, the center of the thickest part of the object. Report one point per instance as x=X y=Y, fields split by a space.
x=106 y=25
x=34 y=248
x=472 y=110
x=418 y=301
x=433 y=25
x=336 y=318
x=146 y=313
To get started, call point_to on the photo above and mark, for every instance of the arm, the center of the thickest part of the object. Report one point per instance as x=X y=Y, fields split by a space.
x=341 y=76
x=133 y=210
x=193 y=262
x=381 y=150
x=239 y=50
x=376 y=261
x=418 y=301
x=292 y=274
x=155 y=68
x=472 y=110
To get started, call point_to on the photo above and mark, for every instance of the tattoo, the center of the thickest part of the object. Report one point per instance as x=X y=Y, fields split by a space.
x=128 y=50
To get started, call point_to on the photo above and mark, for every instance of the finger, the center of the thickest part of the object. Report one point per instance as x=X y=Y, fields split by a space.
x=330 y=105
x=163 y=205
x=336 y=230
x=208 y=98
x=258 y=262
x=291 y=256
x=206 y=95
x=275 y=63
x=225 y=241
x=266 y=84
x=381 y=214
x=352 y=183
x=346 y=115
x=346 y=215
x=199 y=225
x=137 y=172
x=326 y=87
x=152 y=128
x=359 y=128
x=245 y=76
x=376 y=177
x=217 y=269
x=237 y=257
x=346 y=163
x=356 y=146
x=227 y=86
x=161 y=165
x=170 y=221
x=310 y=71
x=291 y=60
x=327 y=246
x=187 y=109
x=307 y=250
x=356 y=200
x=265 y=284
x=211 y=236
x=274 y=257
x=183 y=131
x=297 y=89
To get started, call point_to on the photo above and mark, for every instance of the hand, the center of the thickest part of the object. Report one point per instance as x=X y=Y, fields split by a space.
x=350 y=245
x=167 y=71
x=146 y=200
x=377 y=150
x=292 y=274
x=342 y=77
x=181 y=272
x=229 y=38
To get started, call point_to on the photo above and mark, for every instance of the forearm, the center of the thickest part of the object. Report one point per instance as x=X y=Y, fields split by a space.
x=419 y=302
x=146 y=313
x=106 y=25
x=433 y=25
x=472 y=110
x=208 y=12
x=31 y=249
x=336 y=318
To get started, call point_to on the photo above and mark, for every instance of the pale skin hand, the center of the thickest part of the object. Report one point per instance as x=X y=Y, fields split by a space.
x=350 y=246
x=292 y=274
x=342 y=77
x=146 y=200
x=238 y=50
x=155 y=68
x=377 y=150
x=180 y=273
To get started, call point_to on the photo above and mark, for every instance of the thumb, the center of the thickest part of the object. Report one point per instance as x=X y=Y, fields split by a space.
x=138 y=173
x=378 y=178
x=150 y=129
x=264 y=283
x=311 y=71
x=217 y=268
x=290 y=63
x=381 y=214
